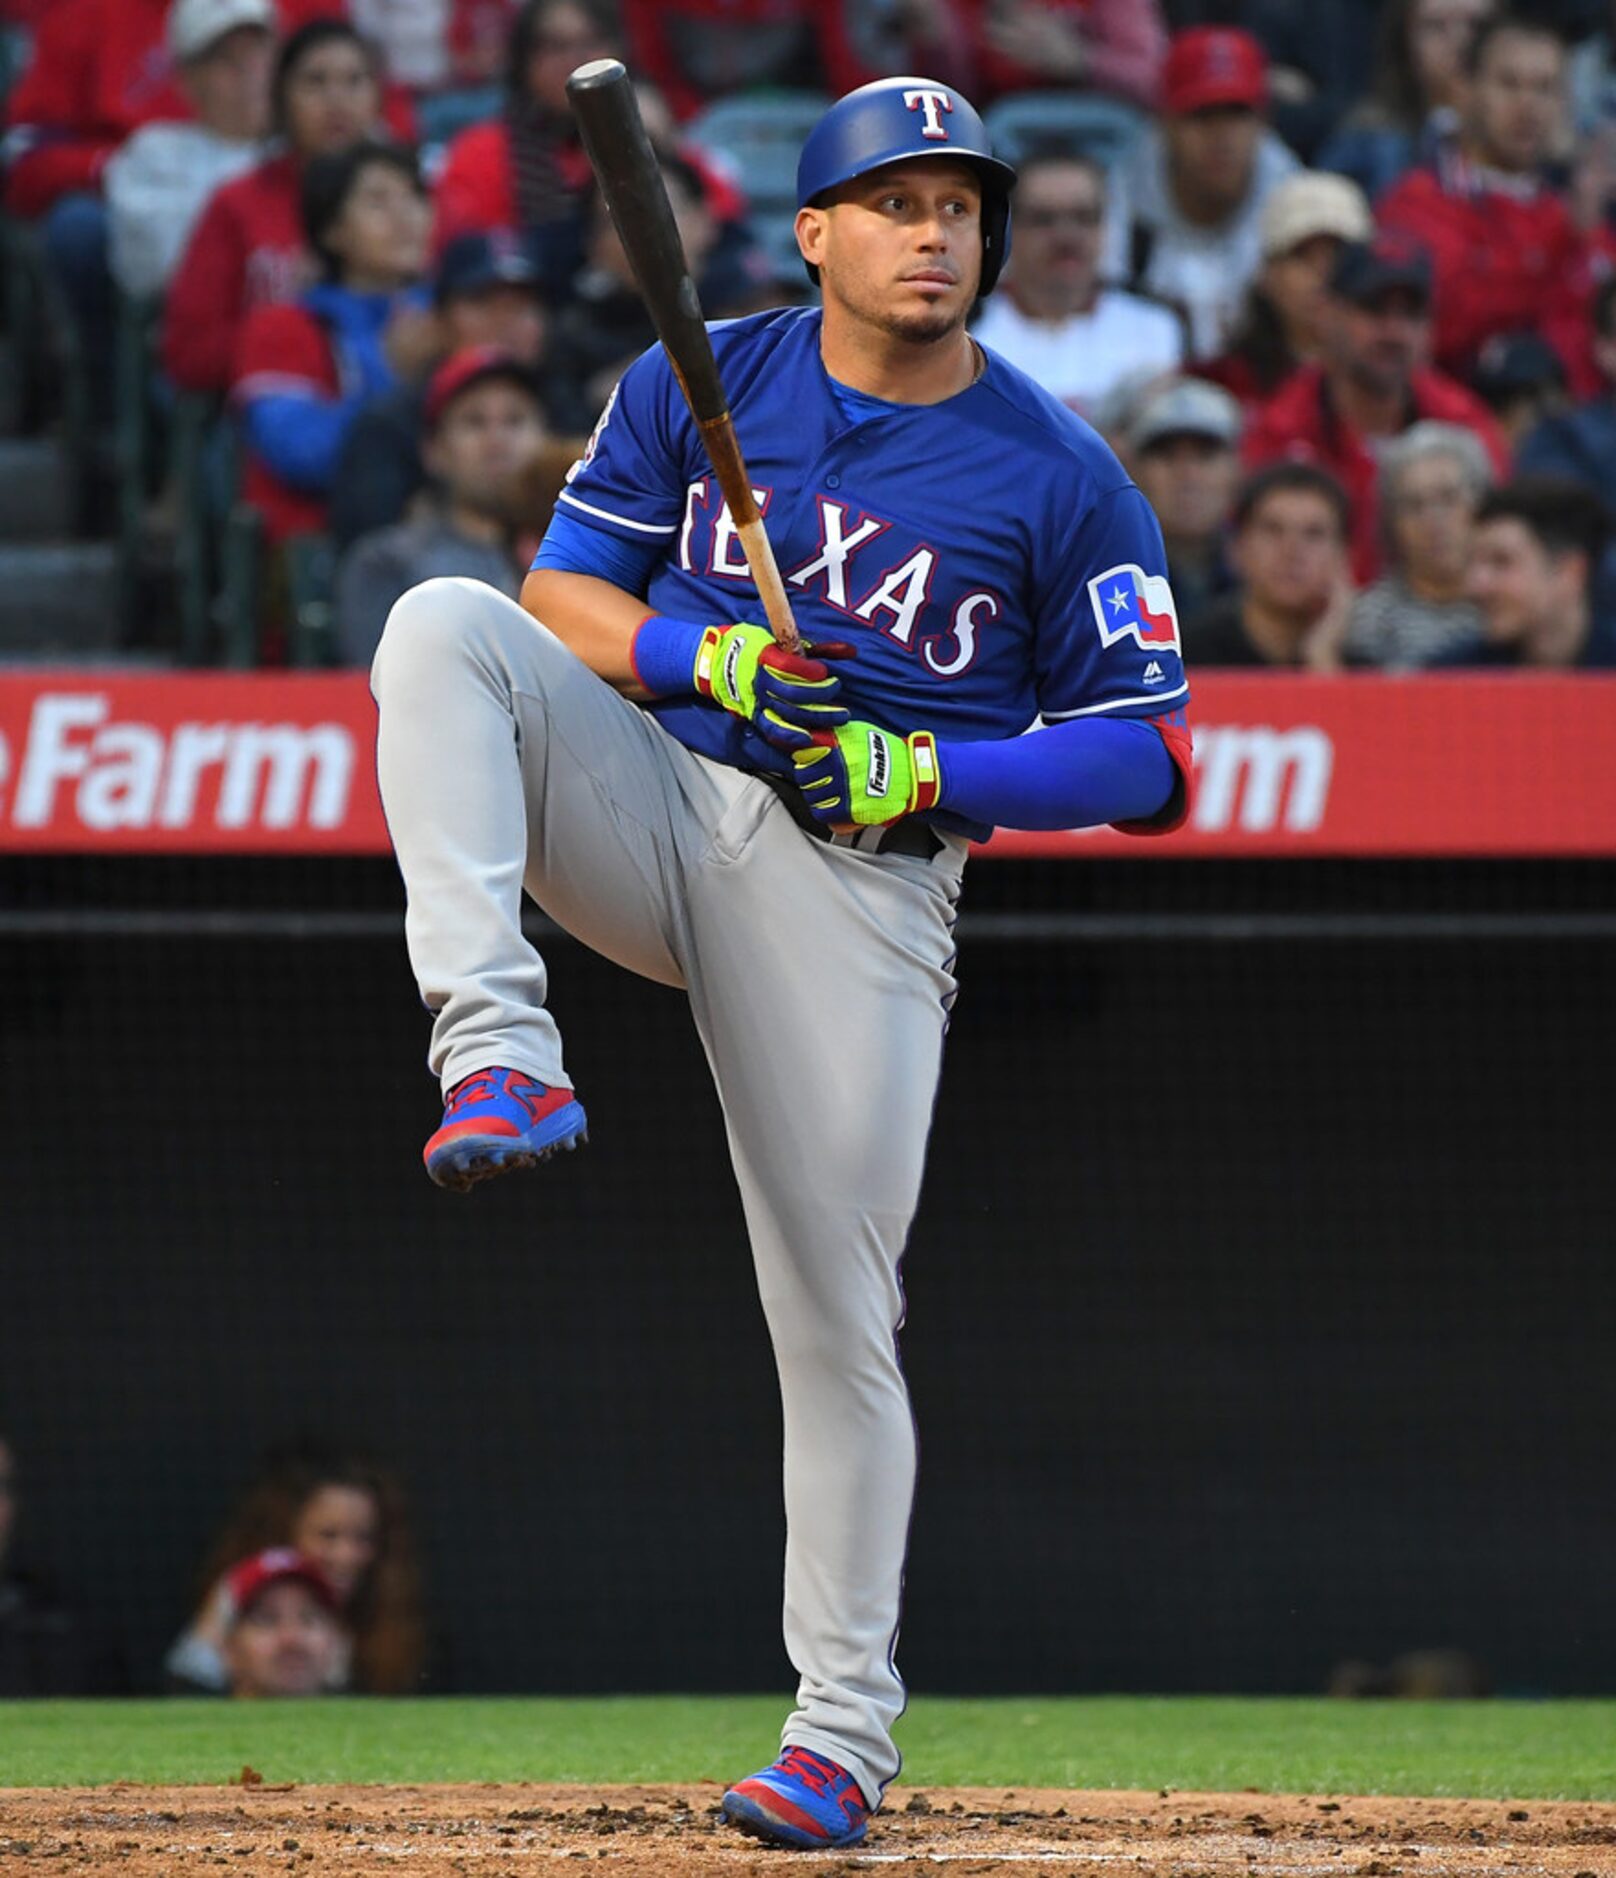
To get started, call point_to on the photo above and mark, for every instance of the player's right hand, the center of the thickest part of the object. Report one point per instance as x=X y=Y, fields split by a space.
x=787 y=696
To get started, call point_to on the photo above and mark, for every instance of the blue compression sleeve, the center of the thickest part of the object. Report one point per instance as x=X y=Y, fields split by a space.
x=1081 y=774
x=573 y=546
x=300 y=439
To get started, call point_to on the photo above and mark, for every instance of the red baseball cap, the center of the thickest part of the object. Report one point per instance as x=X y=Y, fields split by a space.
x=1212 y=65
x=470 y=367
x=248 y=1581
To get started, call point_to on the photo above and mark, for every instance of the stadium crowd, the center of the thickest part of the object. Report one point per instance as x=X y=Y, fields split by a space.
x=1338 y=282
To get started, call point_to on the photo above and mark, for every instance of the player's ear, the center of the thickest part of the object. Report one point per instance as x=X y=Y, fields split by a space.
x=812 y=226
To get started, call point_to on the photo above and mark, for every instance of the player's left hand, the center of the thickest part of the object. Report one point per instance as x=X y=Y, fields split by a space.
x=862 y=776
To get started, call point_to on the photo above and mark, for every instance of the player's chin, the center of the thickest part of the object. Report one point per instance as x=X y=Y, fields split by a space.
x=933 y=319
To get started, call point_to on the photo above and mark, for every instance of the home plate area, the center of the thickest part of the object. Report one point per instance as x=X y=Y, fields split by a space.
x=661 y=1832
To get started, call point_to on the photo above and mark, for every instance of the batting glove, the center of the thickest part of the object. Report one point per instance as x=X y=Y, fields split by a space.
x=787 y=696
x=862 y=776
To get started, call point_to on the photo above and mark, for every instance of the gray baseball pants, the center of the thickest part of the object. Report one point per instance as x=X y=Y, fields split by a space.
x=818 y=974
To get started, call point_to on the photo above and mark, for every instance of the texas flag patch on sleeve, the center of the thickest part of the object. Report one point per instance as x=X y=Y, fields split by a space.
x=1131 y=604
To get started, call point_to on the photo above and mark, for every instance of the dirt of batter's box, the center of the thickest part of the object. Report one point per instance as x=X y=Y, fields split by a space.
x=663 y=1832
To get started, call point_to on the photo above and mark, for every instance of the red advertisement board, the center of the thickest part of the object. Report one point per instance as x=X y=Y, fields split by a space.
x=1470 y=764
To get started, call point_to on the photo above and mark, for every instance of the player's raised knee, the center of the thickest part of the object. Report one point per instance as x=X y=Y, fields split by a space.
x=441 y=618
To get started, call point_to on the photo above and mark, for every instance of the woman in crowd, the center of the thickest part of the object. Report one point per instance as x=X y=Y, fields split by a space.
x=1418 y=75
x=1304 y=222
x=1431 y=480
x=527 y=171
x=305 y=371
x=526 y=168
x=249 y=248
x=346 y=1515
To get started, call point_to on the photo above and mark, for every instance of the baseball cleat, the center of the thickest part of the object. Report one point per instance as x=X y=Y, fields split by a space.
x=499 y=1119
x=802 y=1801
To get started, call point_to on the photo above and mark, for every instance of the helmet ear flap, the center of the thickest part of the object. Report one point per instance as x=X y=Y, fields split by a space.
x=995 y=238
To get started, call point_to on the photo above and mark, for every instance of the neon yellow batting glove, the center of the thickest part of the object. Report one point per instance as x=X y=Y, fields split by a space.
x=862 y=776
x=787 y=696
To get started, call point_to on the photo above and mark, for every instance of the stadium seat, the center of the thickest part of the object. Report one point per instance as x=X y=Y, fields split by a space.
x=311 y=581
x=202 y=471
x=243 y=563
x=1103 y=128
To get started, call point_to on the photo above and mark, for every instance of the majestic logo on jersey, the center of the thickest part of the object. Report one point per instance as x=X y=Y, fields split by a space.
x=931 y=103
x=1131 y=604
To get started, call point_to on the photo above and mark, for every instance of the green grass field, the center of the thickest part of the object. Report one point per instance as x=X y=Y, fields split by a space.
x=1526 y=1750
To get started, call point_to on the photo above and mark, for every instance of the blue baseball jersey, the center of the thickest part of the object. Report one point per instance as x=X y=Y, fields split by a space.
x=987 y=557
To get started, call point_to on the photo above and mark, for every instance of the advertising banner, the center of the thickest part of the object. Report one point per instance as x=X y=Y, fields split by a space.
x=1464 y=764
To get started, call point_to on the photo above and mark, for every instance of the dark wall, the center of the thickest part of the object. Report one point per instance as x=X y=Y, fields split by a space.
x=1261 y=1306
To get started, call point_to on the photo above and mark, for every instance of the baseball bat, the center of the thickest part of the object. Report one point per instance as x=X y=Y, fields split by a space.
x=630 y=179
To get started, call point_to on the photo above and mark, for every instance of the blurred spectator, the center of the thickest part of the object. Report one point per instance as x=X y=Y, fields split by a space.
x=429 y=47
x=486 y=294
x=1303 y=225
x=1111 y=46
x=606 y=325
x=484 y=430
x=1183 y=453
x=100 y=70
x=1593 y=77
x=697 y=52
x=1581 y=443
x=527 y=169
x=1371 y=385
x=1051 y=317
x=1539 y=542
x=1414 y=103
x=46 y=1647
x=738 y=277
x=1431 y=480
x=158 y=184
x=305 y=371
x=284 y=1636
x=1318 y=56
x=1184 y=225
x=1522 y=380
x=349 y=1519
x=1295 y=593
x=1507 y=255
x=249 y=249
x=1419 y=1675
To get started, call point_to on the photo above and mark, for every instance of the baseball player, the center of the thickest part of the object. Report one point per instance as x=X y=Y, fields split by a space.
x=784 y=836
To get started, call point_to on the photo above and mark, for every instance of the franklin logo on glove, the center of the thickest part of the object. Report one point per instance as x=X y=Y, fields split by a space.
x=880 y=779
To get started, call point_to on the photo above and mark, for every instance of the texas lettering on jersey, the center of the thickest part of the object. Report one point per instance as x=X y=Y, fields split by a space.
x=848 y=571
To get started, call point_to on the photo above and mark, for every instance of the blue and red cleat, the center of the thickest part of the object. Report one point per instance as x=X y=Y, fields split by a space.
x=499 y=1119
x=803 y=1801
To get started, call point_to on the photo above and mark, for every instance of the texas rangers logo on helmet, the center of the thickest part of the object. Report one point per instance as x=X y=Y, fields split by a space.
x=931 y=101
x=1129 y=603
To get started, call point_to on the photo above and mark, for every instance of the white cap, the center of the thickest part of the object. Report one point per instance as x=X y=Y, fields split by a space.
x=194 y=25
x=1313 y=202
x=1186 y=407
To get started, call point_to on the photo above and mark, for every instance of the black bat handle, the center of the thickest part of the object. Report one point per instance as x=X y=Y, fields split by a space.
x=630 y=177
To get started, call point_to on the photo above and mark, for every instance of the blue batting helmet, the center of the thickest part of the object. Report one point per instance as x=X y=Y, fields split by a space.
x=895 y=120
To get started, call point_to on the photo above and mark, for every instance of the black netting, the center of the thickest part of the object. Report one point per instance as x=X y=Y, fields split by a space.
x=1262 y=1298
